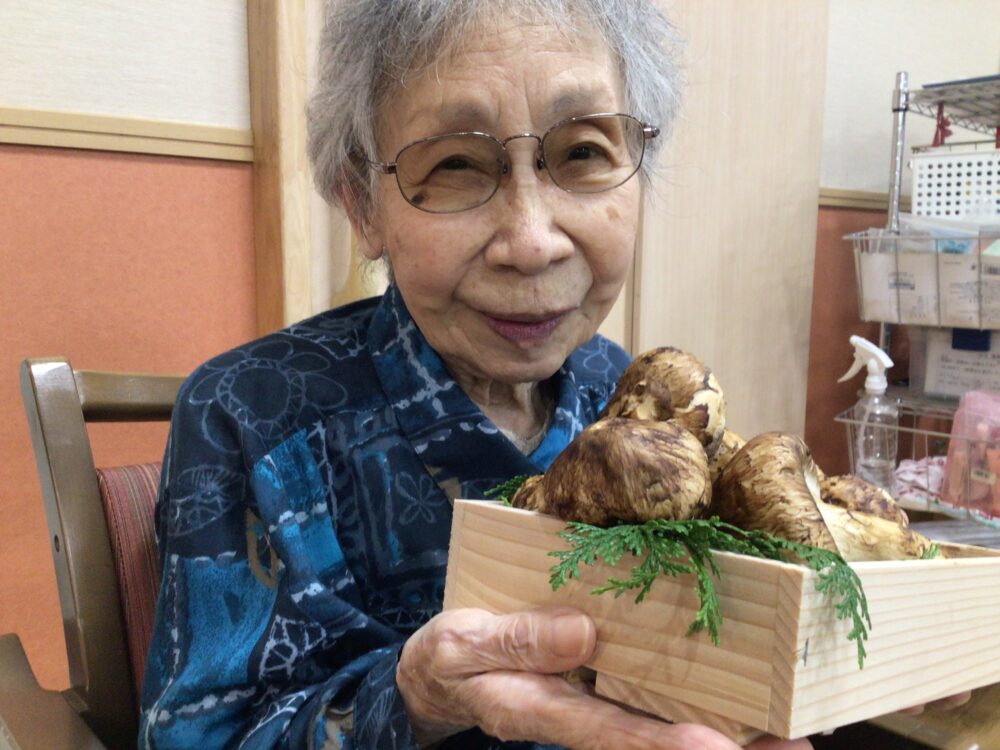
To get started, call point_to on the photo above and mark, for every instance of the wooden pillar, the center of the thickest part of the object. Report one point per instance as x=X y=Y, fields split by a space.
x=282 y=181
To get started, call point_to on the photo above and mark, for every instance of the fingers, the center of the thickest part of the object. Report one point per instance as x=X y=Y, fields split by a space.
x=469 y=667
x=554 y=639
x=544 y=708
x=774 y=743
x=945 y=704
x=548 y=640
x=464 y=643
x=952 y=701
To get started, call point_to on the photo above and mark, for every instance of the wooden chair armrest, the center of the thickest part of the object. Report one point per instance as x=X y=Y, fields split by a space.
x=30 y=716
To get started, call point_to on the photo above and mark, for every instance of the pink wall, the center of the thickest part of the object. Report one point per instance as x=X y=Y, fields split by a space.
x=119 y=262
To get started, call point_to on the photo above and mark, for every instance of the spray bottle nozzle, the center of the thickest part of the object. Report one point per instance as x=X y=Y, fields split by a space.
x=877 y=361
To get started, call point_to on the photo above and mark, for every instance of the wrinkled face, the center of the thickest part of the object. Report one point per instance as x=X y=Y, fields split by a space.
x=507 y=290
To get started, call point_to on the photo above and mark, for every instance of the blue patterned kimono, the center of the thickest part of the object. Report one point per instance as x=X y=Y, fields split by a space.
x=303 y=523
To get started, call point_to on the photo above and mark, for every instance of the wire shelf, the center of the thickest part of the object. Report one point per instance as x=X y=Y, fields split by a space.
x=973 y=104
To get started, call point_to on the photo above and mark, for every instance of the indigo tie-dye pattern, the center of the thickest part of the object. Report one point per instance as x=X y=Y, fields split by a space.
x=303 y=524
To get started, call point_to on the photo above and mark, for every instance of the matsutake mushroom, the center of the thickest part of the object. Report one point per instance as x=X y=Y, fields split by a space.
x=623 y=470
x=855 y=494
x=669 y=384
x=728 y=447
x=771 y=485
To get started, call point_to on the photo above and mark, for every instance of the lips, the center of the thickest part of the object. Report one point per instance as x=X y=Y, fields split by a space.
x=525 y=328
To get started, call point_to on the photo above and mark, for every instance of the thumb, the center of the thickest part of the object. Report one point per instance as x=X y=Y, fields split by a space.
x=548 y=640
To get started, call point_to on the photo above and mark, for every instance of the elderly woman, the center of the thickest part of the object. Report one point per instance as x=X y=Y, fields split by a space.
x=486 y=151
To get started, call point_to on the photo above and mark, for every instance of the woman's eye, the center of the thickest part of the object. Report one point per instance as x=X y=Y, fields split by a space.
x=454 y=163
x=581 y=152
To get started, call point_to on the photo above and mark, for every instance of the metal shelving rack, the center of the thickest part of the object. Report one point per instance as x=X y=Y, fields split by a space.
x=972 y=103
x=925 y=422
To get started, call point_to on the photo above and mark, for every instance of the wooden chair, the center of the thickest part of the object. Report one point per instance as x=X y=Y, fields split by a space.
x=100 y=528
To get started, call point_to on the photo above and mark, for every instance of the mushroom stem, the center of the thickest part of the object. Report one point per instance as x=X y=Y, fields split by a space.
x=863 y=536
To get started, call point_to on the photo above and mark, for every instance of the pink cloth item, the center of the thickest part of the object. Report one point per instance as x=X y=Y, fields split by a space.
x=972 y=477
x=919 y=481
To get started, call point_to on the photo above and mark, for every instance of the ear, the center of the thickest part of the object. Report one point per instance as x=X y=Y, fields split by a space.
x=369 y=238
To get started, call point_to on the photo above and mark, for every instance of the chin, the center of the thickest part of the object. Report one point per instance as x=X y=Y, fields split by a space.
x=534 y=369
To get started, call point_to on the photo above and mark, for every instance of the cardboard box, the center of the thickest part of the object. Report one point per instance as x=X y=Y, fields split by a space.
x=784 y=664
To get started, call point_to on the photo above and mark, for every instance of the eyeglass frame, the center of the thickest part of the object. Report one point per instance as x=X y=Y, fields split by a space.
x=648 y=132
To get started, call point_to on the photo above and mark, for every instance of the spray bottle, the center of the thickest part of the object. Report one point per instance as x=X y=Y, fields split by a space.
x=876 y=417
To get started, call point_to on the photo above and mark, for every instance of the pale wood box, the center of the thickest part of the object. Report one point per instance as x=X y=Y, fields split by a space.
x=784 y=664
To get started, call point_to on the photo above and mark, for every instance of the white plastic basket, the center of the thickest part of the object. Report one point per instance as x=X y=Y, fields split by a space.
x=957 y=184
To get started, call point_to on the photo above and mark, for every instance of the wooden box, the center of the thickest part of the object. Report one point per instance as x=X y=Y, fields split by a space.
x=784 y=664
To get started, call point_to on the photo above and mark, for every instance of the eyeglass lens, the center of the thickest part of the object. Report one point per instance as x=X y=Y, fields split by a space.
x=456 y=172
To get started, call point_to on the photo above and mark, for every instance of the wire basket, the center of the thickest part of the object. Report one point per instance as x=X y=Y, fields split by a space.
x=918 y=278
x=923 y=479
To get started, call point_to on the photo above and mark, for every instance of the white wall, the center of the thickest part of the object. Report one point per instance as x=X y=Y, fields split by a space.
x=148 y=59
x=869 y=41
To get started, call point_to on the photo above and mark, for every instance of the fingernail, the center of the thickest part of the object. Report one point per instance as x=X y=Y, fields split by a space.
x=569 y=635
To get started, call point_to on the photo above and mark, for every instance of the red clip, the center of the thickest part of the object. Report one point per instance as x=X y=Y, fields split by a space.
x=942 y=131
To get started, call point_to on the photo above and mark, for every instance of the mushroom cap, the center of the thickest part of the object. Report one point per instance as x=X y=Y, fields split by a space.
x=770 y=485
x=623 y=470
x=667 y=383
x=855 y=494
x=529 y=495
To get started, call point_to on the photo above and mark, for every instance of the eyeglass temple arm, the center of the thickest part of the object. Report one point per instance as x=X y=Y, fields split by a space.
x=383 y=167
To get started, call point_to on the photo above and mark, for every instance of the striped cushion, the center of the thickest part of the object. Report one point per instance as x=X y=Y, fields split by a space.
x=129 y=495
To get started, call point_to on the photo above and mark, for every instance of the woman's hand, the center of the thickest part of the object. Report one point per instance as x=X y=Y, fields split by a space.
x=952 y=701
x=467 y=667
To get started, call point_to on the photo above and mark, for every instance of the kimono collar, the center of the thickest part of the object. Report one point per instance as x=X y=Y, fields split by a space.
x=462 y=449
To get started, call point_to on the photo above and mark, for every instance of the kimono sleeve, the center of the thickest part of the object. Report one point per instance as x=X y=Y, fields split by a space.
x=260 y=639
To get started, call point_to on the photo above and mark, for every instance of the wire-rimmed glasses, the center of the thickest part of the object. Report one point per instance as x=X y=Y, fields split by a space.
x=458 y=171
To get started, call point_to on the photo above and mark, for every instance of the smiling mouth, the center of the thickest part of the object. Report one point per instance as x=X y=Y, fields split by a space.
x=525 y=328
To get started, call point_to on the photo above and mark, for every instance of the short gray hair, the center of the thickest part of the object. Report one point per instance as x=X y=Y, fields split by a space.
x=368 y=47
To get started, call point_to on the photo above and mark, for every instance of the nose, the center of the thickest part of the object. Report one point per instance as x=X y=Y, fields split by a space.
x=529 y=233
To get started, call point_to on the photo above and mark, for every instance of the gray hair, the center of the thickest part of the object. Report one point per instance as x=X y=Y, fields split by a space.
x=368 y=47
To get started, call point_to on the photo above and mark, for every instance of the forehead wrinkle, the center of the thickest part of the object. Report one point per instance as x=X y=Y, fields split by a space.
x=452 y=116
x=466 y=114
x=463 y=88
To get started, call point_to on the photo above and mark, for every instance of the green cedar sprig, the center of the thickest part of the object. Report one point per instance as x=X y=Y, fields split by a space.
x=505 y=491
x=685 y=547
x=931 y=552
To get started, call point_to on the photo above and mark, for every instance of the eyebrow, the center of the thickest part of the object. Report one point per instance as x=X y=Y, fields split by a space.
x=579 y=101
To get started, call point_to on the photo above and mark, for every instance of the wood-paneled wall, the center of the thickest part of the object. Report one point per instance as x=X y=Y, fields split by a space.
x=726 y=262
